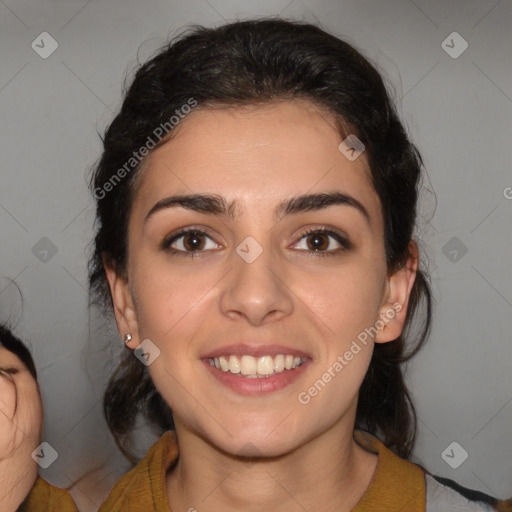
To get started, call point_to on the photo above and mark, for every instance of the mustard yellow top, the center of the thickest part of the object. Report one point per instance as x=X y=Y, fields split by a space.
x=45 y=497
x=397 y=484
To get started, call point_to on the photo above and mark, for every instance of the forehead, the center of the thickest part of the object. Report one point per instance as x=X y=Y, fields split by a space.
x=256 y=154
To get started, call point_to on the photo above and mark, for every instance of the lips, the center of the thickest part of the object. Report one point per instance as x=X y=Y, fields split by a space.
x=256 y=370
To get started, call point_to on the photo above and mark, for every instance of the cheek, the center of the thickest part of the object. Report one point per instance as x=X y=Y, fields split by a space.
x=165 y=296
x=175 y=305
x=345 y=306
x=332 y=391
x=31 y=410
x=344 y=301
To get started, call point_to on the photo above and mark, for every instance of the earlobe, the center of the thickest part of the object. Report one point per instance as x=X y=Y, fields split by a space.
x=394 y=307
x=124 y=310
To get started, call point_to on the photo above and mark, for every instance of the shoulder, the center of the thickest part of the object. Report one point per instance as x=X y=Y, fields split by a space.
x=145 y=483
x=46 y=497
x=402 y=483
x=443 y=494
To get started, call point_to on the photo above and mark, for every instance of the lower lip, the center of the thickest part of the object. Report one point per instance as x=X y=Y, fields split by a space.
x=257 y=386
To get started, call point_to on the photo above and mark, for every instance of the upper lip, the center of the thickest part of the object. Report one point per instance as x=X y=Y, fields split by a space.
x=255 y=351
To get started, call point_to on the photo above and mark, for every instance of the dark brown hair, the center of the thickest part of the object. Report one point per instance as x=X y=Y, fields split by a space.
x=14 y=345
x=249 y=63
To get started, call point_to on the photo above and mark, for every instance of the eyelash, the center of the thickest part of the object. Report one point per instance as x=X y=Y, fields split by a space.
x=11 y=371
x=342 y=240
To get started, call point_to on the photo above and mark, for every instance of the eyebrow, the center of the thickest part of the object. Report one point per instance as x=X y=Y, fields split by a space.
x=213 y=204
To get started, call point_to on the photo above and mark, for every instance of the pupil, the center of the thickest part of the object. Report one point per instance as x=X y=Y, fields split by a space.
x=317 y=244
x=196 y=241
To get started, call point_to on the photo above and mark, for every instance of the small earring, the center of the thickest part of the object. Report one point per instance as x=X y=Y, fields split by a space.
x=127 y=338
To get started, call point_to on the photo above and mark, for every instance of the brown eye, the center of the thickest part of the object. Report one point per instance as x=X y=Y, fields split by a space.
x=193 y=241
x=189 y=242
x=318 y=241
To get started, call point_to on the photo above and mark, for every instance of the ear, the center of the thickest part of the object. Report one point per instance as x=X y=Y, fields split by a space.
x=393 y=309
x=124 y=309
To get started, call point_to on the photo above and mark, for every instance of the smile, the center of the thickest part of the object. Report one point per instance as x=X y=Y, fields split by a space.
x=256 y=367
x=256 y=376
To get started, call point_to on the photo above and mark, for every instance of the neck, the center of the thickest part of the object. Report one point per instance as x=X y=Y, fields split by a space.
x=330 y=468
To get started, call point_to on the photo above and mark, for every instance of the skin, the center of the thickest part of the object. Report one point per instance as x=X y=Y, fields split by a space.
x=93 y=488
x=289 y=295
x=21 y=418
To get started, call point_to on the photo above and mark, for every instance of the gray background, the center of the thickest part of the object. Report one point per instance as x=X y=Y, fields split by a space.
x=457 y=110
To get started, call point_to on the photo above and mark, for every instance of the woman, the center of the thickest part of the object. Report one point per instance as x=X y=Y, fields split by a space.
x=21 y=420
x=256 y=201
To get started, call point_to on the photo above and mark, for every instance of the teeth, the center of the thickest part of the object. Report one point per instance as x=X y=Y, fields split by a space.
x=279 y=363
x=224 y=366
x=265 y=365
x=234 y=365
x=253 y=367
x=248 y=365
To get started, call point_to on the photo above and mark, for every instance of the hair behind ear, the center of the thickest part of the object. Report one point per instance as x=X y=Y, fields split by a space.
x=385 y=407
x=131 y=392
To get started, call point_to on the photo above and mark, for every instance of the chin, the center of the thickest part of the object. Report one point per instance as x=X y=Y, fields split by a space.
x=257 y=444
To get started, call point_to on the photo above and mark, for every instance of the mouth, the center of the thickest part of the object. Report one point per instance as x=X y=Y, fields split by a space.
x=256 y=370
x=250 y=367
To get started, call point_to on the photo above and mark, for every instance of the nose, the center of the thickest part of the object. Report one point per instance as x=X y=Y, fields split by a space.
x=256 y=290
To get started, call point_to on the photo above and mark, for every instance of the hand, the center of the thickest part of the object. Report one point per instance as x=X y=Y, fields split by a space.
x=21 y=418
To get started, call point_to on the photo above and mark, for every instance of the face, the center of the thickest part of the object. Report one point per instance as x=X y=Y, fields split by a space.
x=255 y=278
x=21 y=412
